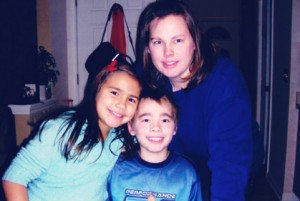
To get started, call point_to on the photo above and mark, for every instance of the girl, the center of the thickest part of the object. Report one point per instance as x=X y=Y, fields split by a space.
x=75 y=150
x=214 y=128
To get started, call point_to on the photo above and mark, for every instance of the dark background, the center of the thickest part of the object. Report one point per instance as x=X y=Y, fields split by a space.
x=18 y=48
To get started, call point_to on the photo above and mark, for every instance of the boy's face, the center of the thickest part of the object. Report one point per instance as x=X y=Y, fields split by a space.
x=154 y=126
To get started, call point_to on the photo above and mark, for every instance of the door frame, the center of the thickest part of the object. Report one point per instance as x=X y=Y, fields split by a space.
x=72 y=51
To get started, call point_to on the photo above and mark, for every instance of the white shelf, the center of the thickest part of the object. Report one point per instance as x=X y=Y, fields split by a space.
x=33 y=108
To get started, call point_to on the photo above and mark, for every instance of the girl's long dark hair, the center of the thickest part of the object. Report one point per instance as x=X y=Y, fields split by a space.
x=204 y=54
x=83 y=120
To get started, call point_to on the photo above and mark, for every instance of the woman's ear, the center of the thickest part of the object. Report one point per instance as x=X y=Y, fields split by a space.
x=175 y=130
x=130 y=129
x=148 y=50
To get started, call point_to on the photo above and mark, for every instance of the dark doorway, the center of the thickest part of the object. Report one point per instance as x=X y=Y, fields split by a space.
x=18 y=39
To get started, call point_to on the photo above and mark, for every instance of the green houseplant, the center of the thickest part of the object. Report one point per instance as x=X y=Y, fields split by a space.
x=46 y=70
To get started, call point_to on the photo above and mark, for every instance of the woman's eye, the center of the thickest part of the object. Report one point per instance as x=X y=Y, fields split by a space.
x=156 y=42
x=178 y=40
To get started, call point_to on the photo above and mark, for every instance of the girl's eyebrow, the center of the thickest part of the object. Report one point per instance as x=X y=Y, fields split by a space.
x=114 y=88
x=118 y=89
x=133 y=96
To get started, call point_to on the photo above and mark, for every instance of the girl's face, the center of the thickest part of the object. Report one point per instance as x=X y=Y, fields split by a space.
x=117 y=100
x=154 y=126
x=171 y=47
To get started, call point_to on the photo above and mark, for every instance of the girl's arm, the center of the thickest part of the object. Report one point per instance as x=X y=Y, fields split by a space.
x=29 y=164
x=14 y=191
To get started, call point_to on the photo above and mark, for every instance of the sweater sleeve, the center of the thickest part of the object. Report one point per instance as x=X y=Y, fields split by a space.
x=33 y=159
x=230 y=141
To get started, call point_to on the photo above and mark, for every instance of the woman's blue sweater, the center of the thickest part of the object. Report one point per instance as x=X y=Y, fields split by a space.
x=214 y=131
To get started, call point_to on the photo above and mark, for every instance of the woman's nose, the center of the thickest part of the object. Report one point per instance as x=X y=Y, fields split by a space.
x=169 y=51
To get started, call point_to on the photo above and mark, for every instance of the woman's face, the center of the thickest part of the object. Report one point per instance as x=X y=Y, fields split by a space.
x=171 y=47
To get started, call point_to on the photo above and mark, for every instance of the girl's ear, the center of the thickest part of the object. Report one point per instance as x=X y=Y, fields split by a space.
x=130 y=129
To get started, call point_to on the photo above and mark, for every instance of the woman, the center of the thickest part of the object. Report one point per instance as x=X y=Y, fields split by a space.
x=214 y=127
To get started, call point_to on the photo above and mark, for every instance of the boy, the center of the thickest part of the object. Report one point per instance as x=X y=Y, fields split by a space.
x=153 y=172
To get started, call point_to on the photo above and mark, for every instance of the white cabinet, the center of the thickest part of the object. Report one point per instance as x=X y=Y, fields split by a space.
x=30 y=113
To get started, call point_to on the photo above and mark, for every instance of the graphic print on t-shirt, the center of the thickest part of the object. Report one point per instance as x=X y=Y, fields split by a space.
x=139 y=195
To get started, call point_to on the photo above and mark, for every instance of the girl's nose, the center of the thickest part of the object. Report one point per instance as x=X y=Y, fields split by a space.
x=121 y=103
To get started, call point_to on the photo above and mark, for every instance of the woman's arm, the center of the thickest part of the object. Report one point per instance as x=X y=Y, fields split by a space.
x=230 y=132
x=14 y=191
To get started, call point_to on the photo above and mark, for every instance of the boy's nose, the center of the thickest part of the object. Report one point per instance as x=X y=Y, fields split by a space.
x=155 y=127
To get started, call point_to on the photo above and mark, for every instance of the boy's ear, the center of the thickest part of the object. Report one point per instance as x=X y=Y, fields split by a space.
x=130 y=129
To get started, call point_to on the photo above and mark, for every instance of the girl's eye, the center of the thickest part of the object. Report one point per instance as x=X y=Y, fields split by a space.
x=115 y=93
x=132 y=100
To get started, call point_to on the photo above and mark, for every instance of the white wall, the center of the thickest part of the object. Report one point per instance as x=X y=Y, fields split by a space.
x=288 y=194
x=58 y=38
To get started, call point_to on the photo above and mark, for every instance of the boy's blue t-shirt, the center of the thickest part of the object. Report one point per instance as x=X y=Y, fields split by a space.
x=171 y=180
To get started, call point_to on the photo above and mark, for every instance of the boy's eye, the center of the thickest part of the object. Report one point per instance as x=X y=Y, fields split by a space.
x=145 y=120
x=166 y=120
